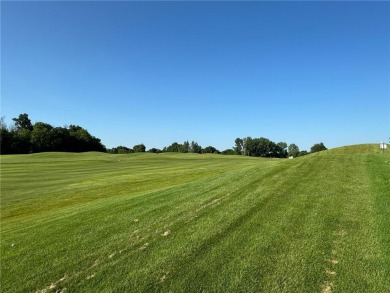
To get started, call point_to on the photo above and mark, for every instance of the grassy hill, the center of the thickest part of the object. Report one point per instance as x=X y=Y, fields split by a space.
x=356 y=149
x=182 y=222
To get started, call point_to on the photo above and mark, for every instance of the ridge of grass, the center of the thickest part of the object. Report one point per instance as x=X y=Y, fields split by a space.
x=356 y=149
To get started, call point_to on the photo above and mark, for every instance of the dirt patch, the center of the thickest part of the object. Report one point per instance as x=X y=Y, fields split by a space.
x=163 y=278
x=62 y=279
x=95 y=263
x=52 y=286
x=90 y=276
x=329 y=272
x=327 y=287
x=333 y=261
x=166 y=233
x=341 y=233
x=143 y=247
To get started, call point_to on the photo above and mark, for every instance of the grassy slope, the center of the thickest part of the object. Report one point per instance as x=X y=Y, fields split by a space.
x=96 y=222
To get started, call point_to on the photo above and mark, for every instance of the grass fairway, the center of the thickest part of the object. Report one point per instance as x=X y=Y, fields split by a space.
x=188 y=223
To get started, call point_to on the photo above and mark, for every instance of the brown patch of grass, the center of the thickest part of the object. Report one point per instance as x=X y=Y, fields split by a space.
x=333 y=261
x=329 y=272
x=163 y=278
x=166 y=233
x=51 y=286
x=143 y=247
x=95 y=263
x=327 y=287
x=90 y=276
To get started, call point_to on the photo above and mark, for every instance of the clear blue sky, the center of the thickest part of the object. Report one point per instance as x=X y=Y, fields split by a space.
x=159 y=72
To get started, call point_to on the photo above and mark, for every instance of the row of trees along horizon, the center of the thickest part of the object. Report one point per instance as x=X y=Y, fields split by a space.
x=24 y=137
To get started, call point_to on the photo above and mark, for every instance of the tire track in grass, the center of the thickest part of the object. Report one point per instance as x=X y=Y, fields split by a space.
x=199 y=254
x=154 y=240
x=335 y=201
x=352 y=241
x=152 y=225
x=185 y=219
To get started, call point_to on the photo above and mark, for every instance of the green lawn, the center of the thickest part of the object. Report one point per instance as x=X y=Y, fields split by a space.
x=95 y=222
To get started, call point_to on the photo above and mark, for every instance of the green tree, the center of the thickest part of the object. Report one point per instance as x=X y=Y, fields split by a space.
x=318 y=147
x=41 y=137
x=139 y=148
x=120 y=150
x=174 y=147
x=79 y=139
x=302 y=153
x=60 y=139
x=210 y=150
x=23 y=122
x=262 y=147
x=293 y=150
x=185 y=147
x=21 y=141
x=17 y=140
x=247 y=146
x=24 y=138
x=238 y=148
x=196 y=148
x=5 y=138
x=155 y=151
x=82 y=141
x=229 y=152
x=282 y=149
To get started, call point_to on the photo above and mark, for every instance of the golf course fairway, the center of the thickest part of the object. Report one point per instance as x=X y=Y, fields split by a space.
x=96 y=222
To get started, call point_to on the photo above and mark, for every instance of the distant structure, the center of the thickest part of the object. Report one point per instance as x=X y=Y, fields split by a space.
x=383 y=146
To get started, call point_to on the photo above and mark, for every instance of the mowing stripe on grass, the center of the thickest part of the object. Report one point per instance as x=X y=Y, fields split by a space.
x=313 y=224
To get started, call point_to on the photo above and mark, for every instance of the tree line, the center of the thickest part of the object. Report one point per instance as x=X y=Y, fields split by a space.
x=254 y=147
x=175 y=147
x=24 y=137
x=139 y=148
x=263 y=147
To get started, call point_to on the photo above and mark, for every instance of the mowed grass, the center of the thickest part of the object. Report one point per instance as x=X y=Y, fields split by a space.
x=189 y=223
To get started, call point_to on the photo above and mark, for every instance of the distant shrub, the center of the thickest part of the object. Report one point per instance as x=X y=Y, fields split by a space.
x=318 y=147
x=228 y=152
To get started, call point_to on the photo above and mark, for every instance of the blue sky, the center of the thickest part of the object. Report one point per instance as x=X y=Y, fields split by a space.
x=159 y=72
